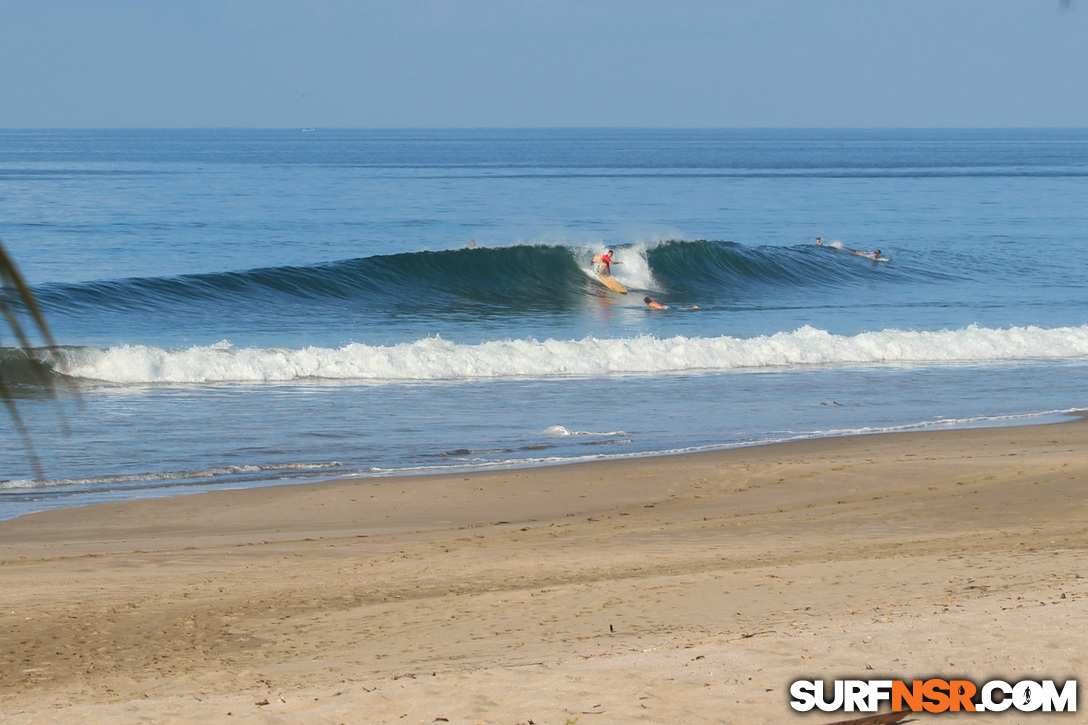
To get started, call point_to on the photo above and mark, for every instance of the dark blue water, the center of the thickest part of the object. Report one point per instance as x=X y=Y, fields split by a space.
x=249 y=307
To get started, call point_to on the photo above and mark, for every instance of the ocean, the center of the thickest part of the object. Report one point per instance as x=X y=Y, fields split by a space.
x=239 y=308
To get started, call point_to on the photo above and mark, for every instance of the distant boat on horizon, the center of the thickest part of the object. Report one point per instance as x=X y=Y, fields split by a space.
x=305 y=130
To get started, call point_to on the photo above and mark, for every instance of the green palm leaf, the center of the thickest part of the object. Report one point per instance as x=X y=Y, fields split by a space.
x=13 y=286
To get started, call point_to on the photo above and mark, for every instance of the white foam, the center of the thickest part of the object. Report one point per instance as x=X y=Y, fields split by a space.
x=437 y=359
x=151 y=477
x=560 y=430
x=633 y=270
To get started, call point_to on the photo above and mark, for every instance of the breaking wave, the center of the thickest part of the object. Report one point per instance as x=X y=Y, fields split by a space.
x=434 y=358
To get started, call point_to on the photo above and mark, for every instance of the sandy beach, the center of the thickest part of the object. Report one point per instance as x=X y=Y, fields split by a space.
x=689 y=588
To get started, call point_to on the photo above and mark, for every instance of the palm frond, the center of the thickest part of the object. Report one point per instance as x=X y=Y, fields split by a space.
x=14 y=286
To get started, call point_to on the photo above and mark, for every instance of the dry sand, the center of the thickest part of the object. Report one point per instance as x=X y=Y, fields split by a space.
x=682 y=589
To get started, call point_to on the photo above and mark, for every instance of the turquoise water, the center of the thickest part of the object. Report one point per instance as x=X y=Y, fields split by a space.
x=257 y=307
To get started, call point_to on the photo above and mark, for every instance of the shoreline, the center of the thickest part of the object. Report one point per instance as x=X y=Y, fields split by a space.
x=1020 y=419
x=687 y=587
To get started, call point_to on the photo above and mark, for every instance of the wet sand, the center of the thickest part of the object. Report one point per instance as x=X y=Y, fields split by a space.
x=672 y=589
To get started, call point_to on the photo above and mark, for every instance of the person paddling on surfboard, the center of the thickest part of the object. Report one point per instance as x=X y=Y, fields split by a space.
x=658 y=306
x=868 y=255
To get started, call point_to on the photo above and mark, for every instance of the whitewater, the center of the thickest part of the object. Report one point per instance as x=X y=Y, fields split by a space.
x=437 y=359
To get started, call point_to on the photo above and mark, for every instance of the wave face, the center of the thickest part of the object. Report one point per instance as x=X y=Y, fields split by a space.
x=535 y=278
x=410 y=309
x=438 y=359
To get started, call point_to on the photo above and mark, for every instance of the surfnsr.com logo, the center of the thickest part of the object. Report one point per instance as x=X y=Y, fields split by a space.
x=935 y=695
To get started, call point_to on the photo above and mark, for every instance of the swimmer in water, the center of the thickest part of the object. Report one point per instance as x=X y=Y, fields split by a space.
x=658 y=306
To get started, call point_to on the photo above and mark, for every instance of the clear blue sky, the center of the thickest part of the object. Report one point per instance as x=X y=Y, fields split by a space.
x=516 y=63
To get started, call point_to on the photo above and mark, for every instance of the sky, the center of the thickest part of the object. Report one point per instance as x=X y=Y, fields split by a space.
x=543 y=63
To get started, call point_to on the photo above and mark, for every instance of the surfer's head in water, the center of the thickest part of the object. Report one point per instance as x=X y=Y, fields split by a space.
x=819 y=241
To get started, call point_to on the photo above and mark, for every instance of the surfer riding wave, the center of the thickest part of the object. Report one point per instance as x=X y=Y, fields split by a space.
x=605 y=262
